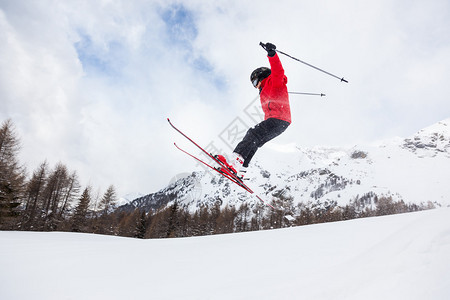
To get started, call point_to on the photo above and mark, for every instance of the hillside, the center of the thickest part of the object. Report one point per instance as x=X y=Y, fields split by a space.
x=413 y=169
x=402 y=256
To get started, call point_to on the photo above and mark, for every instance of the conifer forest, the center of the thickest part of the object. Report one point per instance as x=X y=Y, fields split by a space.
x=50 y=198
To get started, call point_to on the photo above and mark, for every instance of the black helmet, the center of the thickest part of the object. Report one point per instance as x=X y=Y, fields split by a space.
x=259 y=74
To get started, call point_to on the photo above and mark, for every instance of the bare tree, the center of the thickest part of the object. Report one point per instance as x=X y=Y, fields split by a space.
x=33 y=197
x=71 y=191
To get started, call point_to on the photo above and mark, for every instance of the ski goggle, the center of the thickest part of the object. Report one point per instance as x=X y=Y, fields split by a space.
x=255 y=82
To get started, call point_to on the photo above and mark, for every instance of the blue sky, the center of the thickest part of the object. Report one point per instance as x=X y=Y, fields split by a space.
x=180 y=24
x=91 y=83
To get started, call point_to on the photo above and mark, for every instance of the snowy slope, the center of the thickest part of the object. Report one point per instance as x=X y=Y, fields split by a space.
x=128 y=198
x=414 y=169
x=403 y=256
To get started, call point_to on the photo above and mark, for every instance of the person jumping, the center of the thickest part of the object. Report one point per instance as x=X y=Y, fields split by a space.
x=275 y=105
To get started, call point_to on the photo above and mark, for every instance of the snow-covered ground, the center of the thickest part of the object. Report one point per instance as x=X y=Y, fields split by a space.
x=392 y=257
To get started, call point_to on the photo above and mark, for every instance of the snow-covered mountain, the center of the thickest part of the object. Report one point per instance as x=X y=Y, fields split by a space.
x=414 y=169
x=127 y=198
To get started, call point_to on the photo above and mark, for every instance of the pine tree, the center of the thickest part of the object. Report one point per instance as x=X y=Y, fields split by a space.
x=12 y=175
x=173 y=220
x=81 y=210
x=108 y=201
x=141 y=226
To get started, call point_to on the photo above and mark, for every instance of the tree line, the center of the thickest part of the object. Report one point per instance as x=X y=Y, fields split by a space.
x=52 y=199
x=176 y=220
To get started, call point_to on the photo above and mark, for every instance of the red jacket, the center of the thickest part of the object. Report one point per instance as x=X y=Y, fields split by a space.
x=273 y=92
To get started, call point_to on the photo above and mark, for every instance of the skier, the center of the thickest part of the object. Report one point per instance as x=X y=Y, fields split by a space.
x=275 y=104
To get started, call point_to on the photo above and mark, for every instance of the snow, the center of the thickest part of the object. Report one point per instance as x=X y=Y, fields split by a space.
x=128 y=198
x=392 y=257
x=414 y=170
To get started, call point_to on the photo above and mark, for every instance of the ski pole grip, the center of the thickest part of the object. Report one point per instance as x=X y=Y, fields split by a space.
x=262 y=45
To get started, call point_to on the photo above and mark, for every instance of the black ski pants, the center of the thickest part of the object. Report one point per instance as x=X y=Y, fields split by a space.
x=258 y=136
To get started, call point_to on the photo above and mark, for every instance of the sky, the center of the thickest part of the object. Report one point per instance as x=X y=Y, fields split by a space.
x=91 y=83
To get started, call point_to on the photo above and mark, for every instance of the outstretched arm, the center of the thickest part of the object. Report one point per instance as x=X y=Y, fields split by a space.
x=277 y=70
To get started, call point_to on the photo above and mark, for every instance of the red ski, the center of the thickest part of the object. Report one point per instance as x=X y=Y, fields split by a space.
x=224 y=169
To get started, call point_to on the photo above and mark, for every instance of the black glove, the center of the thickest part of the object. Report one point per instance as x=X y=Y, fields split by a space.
x=270 y=48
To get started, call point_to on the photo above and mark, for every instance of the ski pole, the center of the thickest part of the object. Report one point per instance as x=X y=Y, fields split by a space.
x=308 y=94
x=303 y=62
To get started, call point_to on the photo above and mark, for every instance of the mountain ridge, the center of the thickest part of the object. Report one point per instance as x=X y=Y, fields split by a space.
x=411 y=169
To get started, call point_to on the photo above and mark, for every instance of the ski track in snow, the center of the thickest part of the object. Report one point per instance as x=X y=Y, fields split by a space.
x=403 y=256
